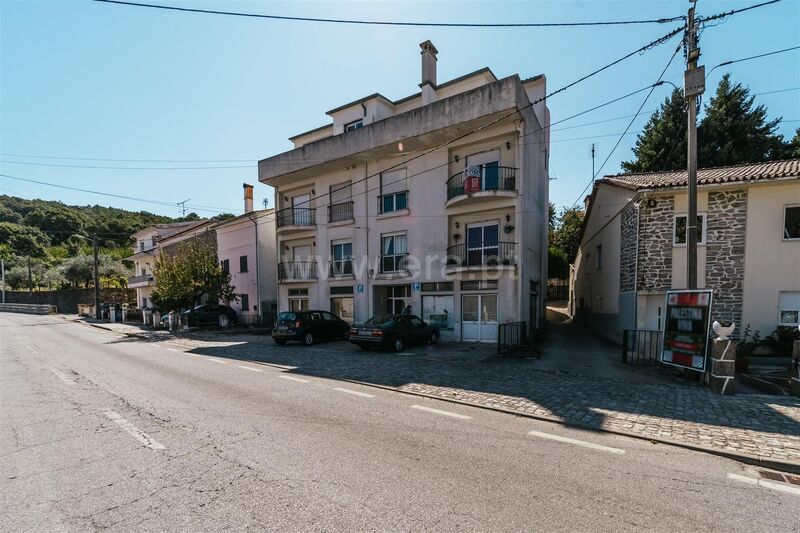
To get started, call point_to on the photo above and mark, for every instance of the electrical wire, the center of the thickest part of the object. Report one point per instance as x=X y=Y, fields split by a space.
x=391 y=23
x=732 y=61
x=735 y=11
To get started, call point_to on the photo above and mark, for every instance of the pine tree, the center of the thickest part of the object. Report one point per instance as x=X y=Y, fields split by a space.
x=734 y=130
x=662 y=144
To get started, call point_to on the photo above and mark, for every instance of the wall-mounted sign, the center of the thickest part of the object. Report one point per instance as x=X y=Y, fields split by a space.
x=416 y=286
x=686 y=329
x=360 y=288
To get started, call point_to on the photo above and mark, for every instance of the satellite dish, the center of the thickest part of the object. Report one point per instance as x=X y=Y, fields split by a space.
x=723 y=332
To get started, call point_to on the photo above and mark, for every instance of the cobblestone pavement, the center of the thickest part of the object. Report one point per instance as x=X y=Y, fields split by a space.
x=762 y=426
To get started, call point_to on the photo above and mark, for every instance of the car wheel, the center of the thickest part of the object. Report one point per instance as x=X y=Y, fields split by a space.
x=434 y=338
x=280 y=342
x=397 y=345
x=308 y=339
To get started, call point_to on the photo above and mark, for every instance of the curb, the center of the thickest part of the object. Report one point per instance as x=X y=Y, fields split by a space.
x=783 y=466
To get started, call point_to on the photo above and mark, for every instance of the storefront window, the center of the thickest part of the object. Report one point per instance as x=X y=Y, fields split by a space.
x=437 y=310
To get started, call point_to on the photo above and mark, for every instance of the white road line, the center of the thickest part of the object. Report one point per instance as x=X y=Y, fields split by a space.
x=63 y=377
x=354 y=392
x=576 y=442
x=766 y=484
x=294 y=379
x=215 y=360
x=135 y=432
x=172 y=350
x=440 y=412
x=251 y=369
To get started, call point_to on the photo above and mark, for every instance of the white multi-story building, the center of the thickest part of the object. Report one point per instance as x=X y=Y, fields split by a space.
x=438 y=201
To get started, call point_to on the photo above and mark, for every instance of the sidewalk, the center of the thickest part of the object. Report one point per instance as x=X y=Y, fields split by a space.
x=754 y=427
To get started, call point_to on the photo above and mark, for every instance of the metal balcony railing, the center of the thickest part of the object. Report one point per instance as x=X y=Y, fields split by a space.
x=394 y=263
x=296 y=216
x=482 y=253
x=484 y=178
x=340 y=211
x=297 y=271
x=144 y=278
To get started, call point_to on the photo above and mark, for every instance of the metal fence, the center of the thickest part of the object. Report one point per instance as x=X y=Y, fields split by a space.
x=641 y=347
x=512 y=337
x=557 y=289
x=340 y=211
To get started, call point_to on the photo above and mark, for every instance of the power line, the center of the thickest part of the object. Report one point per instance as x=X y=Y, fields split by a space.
x=730 y=62
x=123 y=168
x=736 y=11
x=392 y=23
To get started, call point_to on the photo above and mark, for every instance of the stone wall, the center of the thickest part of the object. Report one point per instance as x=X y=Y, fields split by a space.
x=725 y=236
x=67 y=301
x=627 y=249
x=655 y=245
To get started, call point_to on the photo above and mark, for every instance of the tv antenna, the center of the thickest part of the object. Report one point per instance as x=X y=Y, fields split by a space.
x=183 y=205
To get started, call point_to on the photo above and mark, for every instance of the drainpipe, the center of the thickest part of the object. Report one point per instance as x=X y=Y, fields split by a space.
x=258 y=281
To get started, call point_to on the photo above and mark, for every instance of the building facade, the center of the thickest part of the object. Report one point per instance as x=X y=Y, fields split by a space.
x=438 y=201
x=633 y=248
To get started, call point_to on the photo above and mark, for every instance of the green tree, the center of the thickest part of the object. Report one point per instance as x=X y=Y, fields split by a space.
x=557 y=264
x=61 y=222
x=193 y=272
x=7 y=215
x=662 y=143
x=24 y=240
x=568 y=231
x=78 y=271
x=734 y=130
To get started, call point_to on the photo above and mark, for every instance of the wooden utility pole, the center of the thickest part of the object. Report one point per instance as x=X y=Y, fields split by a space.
x=694 y=85
x=97 y=312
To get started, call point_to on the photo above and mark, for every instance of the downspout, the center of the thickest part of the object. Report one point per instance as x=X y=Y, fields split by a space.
x=258 y=281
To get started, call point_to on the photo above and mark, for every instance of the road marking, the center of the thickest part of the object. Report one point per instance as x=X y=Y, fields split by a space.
x=440 y=412
x=766 y=484
x=135 y=432
x=172 y=350
x=63 y=377
x=294 y=379
x=354 y=392
x=215 y=360
x=251 y=369
x=576 y=442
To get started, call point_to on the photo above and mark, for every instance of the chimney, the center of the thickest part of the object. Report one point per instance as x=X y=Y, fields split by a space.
x=248 y=198
x=428 y=84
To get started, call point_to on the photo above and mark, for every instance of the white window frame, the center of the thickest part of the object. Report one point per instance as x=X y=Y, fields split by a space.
x=781 y=310
x=354 y=125
x=395 y=254
x=783 y=228
x=343 y=260
x=675 y=218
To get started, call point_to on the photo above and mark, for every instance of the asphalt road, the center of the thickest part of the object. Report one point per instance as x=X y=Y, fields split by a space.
x=99 y=431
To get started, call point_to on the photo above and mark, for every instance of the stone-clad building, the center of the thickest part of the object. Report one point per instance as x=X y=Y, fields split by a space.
x=633 y=247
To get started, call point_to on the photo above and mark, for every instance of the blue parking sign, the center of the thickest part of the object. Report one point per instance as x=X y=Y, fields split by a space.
x=360 y=288
x=416 y=286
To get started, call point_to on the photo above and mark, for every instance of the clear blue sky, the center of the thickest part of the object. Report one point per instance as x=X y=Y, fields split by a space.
x=90 y=80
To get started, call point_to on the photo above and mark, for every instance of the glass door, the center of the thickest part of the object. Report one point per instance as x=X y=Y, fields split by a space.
x=482 y=243
x=479 y=317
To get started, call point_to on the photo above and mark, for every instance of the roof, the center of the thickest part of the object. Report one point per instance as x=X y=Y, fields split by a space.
x=770 y=170
x=196 y=224
x=252 y=214
x=170 y=225
x=359 y=101
x=320 y=128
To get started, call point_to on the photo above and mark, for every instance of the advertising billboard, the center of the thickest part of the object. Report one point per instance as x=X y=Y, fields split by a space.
x=686 y=329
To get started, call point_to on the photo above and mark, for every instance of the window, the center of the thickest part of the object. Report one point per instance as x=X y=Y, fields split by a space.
x=243 y=263
x=394 y=252
x=356 y=124
x=298 y=304
x=342 y=259
x=437 y=310
x=342 y=290
x=245 y=299
x=679 y=237
x=791 y=222
x=482 y=244
x=298 y=292
x=144 y=303
x=415 y=321
x=343 y=308
x=598 y=303
x=341 y=206
x=393 y=192
x=789 y=307
x=226 y=266
x=588 y=264
x=479 y=284
x=439 y=286
x=141 y=246
x=598 y=256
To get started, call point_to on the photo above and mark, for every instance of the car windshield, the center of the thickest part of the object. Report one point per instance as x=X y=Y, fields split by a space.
x=379 y=320
x=286 y=316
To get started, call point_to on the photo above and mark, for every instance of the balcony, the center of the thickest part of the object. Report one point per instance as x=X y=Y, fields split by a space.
x=297 y=271
x=340 y=212
x=296 y=218
x=137 y=282
x=341 y=268
x=392 y=264
x=480 y=182
x=481 y=255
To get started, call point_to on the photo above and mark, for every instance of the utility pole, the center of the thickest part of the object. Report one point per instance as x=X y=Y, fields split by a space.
x=97 y=312
x=183 y=205
x=30 y=276
x=694 y=85
x=3 y=281
x=592 y=161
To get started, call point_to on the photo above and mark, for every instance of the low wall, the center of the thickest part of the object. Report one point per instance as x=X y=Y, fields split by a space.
x=66 y=301
x=31 y=309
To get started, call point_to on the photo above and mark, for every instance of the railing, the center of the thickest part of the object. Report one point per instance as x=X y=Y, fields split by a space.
x=484 y=253
x=558 y=289
x=144 y=278
x=297 y=216
x=339 y=212
x=394 y=263
x=343 y=267
x=297 y=271
x=489 y=178
x=388 y=203
x=512 y=337
x=641 y=347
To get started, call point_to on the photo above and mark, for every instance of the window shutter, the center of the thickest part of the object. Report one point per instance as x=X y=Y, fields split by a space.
x=394 y=181
x=341 y=192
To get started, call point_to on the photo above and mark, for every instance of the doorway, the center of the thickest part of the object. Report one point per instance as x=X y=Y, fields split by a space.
x=398 y=297
x=479 y=317
x=301 y=214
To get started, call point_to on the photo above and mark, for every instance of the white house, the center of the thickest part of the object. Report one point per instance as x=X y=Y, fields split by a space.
x=438 y=200
x=633 y=247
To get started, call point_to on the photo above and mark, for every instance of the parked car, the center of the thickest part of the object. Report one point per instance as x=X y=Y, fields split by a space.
x=393 y=331
x=210 y=315
x=308 y=327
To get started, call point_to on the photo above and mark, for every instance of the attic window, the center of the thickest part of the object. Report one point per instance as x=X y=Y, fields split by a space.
x=354 y=125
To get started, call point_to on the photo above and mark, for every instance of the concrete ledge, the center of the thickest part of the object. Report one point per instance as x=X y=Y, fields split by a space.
x=30 y=309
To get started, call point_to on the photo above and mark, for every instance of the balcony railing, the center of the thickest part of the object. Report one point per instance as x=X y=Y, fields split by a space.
x=480 y=178
x=341 y=211
x=138 y=280
x=482 y=253
x=343 y=267
x=297 y=271
x=297 y=216
x=388 y=203
x=394 y=263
